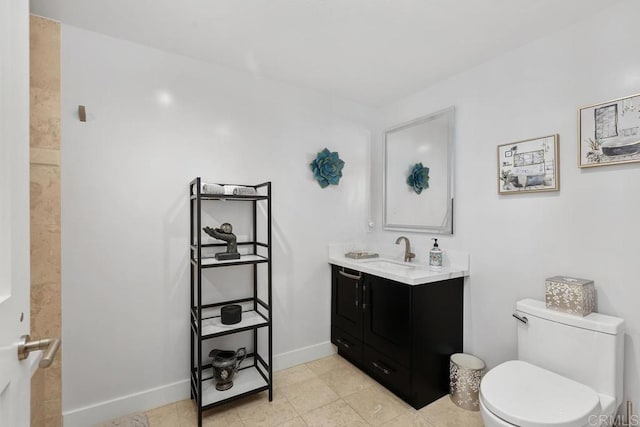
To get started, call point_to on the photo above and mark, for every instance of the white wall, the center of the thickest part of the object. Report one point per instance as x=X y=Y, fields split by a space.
x=125 y=211
x=125 y=215
x=591 y=228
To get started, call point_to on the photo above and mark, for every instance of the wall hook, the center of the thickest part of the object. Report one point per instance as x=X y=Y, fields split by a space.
x=82 y=113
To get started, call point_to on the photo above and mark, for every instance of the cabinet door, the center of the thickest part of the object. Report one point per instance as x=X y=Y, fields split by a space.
x=437 y=334
x=346 y=299
x=387 y=318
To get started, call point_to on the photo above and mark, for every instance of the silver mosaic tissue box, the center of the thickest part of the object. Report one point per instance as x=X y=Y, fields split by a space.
x=570 y=295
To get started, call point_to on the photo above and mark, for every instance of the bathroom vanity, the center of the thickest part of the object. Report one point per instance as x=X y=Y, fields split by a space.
x=403 y=331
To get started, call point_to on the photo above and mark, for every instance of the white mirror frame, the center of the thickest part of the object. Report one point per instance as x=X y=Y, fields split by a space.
x=441 y=223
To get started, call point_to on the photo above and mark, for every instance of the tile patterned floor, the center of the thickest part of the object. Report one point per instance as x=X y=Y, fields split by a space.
x=325 y=392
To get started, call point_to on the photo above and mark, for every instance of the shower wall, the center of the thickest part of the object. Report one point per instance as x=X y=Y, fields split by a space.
x=46 y=387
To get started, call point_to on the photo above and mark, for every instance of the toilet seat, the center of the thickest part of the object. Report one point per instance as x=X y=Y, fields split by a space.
x=526 y=395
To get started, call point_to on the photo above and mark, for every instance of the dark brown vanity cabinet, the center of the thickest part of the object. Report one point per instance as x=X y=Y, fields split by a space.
x=400 y=334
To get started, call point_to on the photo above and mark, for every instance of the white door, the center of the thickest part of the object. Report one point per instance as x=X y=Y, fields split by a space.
x=15 y=376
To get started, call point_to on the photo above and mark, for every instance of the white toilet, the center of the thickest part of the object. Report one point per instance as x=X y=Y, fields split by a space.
x=568 y=372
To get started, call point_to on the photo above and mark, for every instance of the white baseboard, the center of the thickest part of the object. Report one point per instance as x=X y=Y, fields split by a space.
x=136 y=402
x=163 y=395
x=302 y=355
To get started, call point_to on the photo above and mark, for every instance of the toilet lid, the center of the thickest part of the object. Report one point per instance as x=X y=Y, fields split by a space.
x=528 y=396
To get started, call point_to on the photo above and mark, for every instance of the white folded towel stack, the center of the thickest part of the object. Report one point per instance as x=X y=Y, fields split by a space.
x=244 y=191
x=206 y=188
x=239 y=190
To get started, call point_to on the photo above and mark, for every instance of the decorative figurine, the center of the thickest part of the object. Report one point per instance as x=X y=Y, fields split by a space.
x=225 y=233
x=327 y=168
x=225 y=365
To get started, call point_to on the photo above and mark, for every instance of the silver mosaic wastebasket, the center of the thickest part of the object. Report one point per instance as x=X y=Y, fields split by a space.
x=465 y=374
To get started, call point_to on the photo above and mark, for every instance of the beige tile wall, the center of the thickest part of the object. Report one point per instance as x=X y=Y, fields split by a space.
x=46 y=385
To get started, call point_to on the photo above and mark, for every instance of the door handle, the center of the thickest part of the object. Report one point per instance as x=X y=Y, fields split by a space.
x=350 y=276
x=357 y=288
x=364 y=296
x=49 y=345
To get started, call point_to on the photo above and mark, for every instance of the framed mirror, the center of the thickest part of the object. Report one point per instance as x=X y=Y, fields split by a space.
x=418 y=175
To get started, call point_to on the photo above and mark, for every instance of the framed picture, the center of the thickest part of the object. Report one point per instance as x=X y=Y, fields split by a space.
x=528 y=166
x=609 y=132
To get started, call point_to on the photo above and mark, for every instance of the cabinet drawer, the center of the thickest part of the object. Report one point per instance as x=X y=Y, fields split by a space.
x=348 y=346
x=387 y=371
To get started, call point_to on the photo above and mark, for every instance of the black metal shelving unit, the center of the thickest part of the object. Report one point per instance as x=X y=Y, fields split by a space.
x=256 y=373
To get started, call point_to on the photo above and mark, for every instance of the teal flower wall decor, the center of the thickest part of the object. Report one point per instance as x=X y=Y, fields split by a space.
x=418 y=179
x=327 y=168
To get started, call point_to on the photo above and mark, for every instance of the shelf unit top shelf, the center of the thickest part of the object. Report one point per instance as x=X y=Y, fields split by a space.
x=229 y=197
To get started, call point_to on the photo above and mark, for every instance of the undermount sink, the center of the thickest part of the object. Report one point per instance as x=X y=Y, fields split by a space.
x=388 y=265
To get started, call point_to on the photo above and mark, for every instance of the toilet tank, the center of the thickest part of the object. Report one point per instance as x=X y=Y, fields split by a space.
x=587 y=349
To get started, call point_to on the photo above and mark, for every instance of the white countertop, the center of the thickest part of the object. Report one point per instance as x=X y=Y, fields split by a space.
x=410 y=273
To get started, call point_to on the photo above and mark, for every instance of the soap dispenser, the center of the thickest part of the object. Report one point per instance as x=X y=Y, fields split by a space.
x=435 y=256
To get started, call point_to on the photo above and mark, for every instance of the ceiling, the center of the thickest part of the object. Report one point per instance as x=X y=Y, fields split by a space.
x=370 y=51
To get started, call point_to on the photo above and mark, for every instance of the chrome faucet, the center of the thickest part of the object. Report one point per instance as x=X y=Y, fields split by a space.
x=408 y=255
